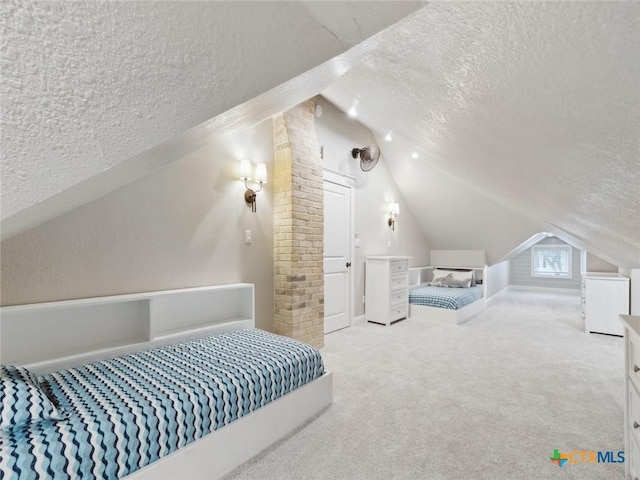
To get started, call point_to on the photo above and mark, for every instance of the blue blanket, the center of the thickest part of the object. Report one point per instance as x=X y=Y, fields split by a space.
x=442 y=297
x=125 y=413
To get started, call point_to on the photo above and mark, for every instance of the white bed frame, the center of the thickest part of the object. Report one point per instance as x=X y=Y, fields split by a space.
x=421 y=276
x=46 y=337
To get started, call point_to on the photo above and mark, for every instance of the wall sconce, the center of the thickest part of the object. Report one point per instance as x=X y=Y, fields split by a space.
x=260 y=179
x=394 y=211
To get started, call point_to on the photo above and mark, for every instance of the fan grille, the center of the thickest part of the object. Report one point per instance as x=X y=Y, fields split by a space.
x=369 y=157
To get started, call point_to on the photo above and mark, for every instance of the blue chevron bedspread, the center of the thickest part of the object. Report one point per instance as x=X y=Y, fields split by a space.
x=125 y=413
x=441 y=297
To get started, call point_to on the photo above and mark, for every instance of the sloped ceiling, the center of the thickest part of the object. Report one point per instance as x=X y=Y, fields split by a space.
x=532 y=106
x=535 y=105
x=98 y=94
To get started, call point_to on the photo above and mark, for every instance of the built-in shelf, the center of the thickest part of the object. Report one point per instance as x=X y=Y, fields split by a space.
x=66 y=331
x=203 y=329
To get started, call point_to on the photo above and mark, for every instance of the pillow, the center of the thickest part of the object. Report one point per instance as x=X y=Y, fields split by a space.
x=452 y=278
x=22 y=400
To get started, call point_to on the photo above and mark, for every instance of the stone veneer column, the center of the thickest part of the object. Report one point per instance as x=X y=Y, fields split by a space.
x=298 y=226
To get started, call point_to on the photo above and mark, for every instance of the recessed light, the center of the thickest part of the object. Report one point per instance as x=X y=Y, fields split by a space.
x=353 y=111
x=388 y=138
x=414 y=155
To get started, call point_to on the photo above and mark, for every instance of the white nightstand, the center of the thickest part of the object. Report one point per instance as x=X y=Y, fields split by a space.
x=387 y=287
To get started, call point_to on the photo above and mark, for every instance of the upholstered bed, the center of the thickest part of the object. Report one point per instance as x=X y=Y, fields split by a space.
x=451 y=292
x=195 y=408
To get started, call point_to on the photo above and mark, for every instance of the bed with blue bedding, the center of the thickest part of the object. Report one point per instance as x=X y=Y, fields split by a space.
x=442 y=297
x=115 y=416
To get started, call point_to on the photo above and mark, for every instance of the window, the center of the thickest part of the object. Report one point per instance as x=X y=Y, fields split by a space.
x=551 y=261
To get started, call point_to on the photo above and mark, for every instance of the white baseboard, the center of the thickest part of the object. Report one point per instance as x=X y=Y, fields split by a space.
x=566 y=291
x=497 y=294
x=358 y=320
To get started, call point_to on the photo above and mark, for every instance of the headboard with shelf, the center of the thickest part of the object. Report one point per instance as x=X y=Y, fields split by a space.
x=55 y=335
x=460 y=259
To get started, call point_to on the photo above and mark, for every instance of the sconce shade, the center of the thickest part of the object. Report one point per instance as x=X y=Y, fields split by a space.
x=394 y=211
x=261 y=173
x=245 y=168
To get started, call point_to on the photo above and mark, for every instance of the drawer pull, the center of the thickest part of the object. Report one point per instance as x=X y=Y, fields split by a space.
x=636 y=424
x=636 y=368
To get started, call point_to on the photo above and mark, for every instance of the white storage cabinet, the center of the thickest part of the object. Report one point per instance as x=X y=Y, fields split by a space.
x=606 y=296
x=632 y=396
x=387 y=289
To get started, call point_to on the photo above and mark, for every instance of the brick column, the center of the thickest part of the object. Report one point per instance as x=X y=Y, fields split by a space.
x=298 y=226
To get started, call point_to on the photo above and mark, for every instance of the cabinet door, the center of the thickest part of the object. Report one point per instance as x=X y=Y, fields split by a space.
x=618 y=304
x=605 y=300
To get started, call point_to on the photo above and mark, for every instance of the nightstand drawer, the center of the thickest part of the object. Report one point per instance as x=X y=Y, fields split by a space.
x=398 y=298
x=397 y=283
x=398 y=312
x=399 y=266
x=634 y=361
x=634 y=414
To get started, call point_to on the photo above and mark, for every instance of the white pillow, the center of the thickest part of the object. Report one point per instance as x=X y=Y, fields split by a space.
x=452 y=278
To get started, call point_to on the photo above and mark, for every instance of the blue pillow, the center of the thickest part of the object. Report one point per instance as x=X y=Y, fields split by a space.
x=22 y=401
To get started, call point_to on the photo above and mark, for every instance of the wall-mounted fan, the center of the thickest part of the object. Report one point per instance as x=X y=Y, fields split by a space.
x=369 y=156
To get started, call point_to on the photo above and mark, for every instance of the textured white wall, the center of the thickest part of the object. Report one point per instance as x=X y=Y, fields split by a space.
x=338 y=134
x=181 y=226
x=596 y=264
x=88 y=85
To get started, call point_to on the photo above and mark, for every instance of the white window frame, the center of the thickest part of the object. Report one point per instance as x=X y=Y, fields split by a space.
x=569 y=250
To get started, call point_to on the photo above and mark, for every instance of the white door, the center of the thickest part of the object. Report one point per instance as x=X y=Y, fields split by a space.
x=337 y=256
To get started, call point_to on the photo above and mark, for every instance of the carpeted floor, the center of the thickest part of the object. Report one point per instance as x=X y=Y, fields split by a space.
x=490 y=399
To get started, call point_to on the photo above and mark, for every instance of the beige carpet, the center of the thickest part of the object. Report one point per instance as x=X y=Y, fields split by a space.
x=490 y=399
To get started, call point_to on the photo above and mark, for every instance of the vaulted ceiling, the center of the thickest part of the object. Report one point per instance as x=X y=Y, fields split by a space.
x=97 y=94
x=533 y=105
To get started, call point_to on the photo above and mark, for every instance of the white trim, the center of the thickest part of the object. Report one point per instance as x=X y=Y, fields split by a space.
x=570 y=291
x=338 y=177
x=347 y=181
x=499 y=292
x=359 y=320
x=229 y=447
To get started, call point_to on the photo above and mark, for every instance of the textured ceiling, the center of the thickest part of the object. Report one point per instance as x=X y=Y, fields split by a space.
x=534 y=104
x=97 y=94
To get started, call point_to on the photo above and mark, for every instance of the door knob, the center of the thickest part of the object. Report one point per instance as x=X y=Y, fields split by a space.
x=348 y=264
